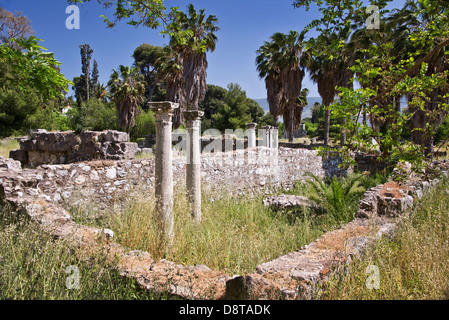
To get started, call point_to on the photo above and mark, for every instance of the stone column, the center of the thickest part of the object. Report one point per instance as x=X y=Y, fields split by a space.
x=265 y=135
x=251 y=134
x=274 y=137
x=193 y=167
x=164 y=169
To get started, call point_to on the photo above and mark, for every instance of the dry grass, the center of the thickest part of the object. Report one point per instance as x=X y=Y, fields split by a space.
x=33 y=265
x=234 y=236
x=413 y=265
x=7 y=145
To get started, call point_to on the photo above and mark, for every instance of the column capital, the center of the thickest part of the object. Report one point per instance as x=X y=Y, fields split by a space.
x=163 y=107
x=193 y=115
x=252 y=125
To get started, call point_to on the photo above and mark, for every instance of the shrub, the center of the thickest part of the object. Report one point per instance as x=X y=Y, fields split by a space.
x=49 y=118
x=339 y=196
x=144 y=125
x=93 y=115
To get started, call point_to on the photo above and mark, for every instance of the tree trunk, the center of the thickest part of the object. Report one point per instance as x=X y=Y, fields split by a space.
x=291 y=124
x=343 y=133
x=428 y=147
x=327 y=121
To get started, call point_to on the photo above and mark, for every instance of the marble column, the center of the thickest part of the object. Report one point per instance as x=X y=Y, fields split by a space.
x=251 y=127
x=193 y=167
x=274 y=138
x=164 y=168
x=264 y=133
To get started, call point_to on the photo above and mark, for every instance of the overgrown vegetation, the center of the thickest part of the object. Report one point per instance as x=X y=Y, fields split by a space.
x=235 y=235
x=412 y=266
x=7 y=145
x=35 y=266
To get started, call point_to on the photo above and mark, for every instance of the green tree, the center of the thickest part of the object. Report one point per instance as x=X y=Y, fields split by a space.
x=145 y=124
x=127 y=88
x=408 y=59
x=149 y=13
x=145 y=58
x=15 y=108
x=93 y=115
x=192 y=36
x=28 y=67
x=86 y=56
x=233 y=113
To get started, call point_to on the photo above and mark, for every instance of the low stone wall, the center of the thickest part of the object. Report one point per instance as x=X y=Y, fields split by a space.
x=44 y=147
x=258 y=171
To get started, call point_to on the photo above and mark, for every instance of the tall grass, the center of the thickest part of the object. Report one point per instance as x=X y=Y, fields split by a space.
x=35 y=266
x=413 y=265
x=235 y=235
x=7 y=145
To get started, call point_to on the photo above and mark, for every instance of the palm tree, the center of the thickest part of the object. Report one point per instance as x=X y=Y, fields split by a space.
x=322 y=72
x=169 y=69
x=198 y=38
x=328 y=65
x=127 y=89
x=269 y=71
x=101 y=92
x=279 y=62
x=301 y=102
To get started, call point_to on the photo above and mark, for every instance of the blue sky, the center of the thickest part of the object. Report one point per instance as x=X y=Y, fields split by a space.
x=244 y=24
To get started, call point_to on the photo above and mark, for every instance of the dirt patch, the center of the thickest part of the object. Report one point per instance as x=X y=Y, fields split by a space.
x=336 y=240
x=393 y=190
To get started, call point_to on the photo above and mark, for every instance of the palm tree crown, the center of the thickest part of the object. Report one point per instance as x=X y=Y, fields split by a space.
x=279 y=63
x=127 y=88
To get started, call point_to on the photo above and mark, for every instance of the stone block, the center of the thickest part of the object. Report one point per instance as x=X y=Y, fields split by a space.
x=393 y=207
x=116 y=136
x=19 y=155
x=28 y=145
x=129 y=149
x=35 y=158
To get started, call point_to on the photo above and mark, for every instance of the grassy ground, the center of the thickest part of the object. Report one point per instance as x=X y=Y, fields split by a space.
x=35 y=266
x=7 y=145
x=234 y=236
x=413 y=265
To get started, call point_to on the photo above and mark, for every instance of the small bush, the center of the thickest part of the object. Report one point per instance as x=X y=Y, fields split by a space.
x=144 y=125
x=93 y=115
x=339 y=196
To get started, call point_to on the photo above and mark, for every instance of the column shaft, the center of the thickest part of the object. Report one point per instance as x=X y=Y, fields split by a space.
x=164 y=169
x=193 y=167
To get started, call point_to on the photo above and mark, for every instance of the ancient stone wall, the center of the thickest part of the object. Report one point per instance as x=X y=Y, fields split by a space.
x=236 y=173
x=44 y=147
